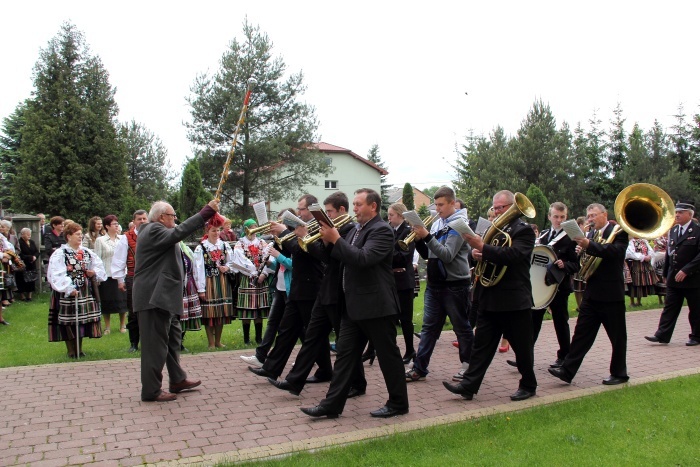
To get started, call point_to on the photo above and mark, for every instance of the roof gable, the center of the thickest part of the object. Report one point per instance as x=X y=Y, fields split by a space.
x=331 y=149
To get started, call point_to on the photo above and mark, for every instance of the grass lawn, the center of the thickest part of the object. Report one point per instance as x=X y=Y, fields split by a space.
x=651 y=424
x=25 y=341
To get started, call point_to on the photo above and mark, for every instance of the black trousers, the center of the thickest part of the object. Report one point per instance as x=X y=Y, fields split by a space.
x=560 y=316
x=406 y=318
x=132 y=324
x=351 y=342
x=297 y=315
x=591 y=315
x=279 y=302
x=672 y=309
x=324 y=318
x=490 y=326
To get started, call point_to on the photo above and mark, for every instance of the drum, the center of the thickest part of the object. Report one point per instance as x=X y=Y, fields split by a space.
x=542 y=294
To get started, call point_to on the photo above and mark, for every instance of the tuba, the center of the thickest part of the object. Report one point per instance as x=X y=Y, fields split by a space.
x=642 y=210
x=488 y=273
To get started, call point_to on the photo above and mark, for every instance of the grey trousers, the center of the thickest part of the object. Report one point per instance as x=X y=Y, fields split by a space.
x=161 y=337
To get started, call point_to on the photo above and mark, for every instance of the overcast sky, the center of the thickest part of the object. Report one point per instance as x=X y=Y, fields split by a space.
x=388 y=73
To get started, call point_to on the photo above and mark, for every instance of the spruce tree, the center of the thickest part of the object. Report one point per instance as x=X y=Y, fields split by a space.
x=10 y=159
x=539 y=200
x=192 y=194
x=374 y=157
x=407 y=197
x=72 y=163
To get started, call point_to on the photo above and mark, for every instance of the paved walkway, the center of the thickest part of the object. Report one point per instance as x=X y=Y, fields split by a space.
x=81 y=413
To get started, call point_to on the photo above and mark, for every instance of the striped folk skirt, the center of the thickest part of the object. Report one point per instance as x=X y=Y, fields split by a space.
x=253 y=298
x=643 y=278
x=62 y=315
x=191 y=319
x=217 y=307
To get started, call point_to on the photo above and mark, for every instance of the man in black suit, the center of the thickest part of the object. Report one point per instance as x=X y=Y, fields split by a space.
x=370 y=305
x=157 y=297
x=504 y=308
x=603 y=300
x=682 y=281
x=325 y=314
x=307 y=272
x=568 y=262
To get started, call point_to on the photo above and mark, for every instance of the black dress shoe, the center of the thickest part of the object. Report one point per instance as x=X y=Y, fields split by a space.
x=261 y=372
x=692 y=342
x=655 y=339
x=560 y=373
x=613 y=380
x=458 y=389
x=521 y=395
x=386 y=412
x=557 y=363
x=512 y=363
x=284 y=385
x=369 y=356
x=315 y=379
x=133 y=349
x=408 y=357
x=354 y=392
x=318 y=411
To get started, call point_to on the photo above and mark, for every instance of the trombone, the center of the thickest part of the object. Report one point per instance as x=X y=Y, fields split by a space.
x=428 y=221
x=312 y=237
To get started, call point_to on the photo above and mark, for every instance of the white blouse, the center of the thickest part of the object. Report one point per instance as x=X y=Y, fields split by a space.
x=199 y=273
x=104 y=247
x=57 y=273
x=245 y=265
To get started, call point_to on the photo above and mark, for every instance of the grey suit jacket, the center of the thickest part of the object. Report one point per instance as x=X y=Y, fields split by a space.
x=159 y=272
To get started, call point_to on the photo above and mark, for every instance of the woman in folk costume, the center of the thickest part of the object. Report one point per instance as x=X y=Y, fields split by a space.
x=213 y=260
x=657 y=262
x=191 y=319
x=639 y=255
x=70 y=272
x=252 y=254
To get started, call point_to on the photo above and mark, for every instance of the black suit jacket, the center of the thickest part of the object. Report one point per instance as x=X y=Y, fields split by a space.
x=307 y=271
x=514 y=291
x=685 y=257
x=607 y=284
x=369 y=282
x=403 y=260
x=565 y=249
x=330 y=284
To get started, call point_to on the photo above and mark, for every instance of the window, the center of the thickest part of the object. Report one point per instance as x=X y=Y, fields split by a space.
x=331 y=184
x=329 y=161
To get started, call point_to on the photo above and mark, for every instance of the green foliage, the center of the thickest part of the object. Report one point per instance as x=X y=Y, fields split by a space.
x=72 y=163
x=539 y=200
x=275 y=156
x=407 y=197
x=147 y=165
x=192 y=194
x=374 y=157
x=10 y=159
x=423 y=211
x=429 y=192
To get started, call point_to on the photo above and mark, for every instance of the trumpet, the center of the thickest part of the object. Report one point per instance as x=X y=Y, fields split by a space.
x=263 y=229
x=403 y=244
x=311 y=238
x=312 y=226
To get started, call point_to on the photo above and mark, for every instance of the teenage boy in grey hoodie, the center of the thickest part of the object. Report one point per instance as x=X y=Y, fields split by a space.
x=447 y=290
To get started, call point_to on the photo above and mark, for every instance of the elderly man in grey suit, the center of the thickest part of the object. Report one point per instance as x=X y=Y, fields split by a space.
x=157 y=298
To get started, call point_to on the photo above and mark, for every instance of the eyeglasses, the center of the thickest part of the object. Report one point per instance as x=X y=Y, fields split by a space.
x=168 y=214
x=503 y=206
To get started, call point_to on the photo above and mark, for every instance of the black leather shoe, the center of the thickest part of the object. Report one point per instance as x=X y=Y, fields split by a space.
x=560 y=373
x=318 y=411
x=354 y=392
x=408 y=357
x=512 y=363
x=261 y=372
x=692 y=342
x=613 y=380
x=521 y=395
x=133 y=349
x=284 y=385
x=557 y=363
x=655 y=339
x=315 y=379
x=386 y=412
x=458 y=389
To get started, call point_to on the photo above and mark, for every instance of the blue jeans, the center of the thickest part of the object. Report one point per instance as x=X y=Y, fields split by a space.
x=441 y=302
